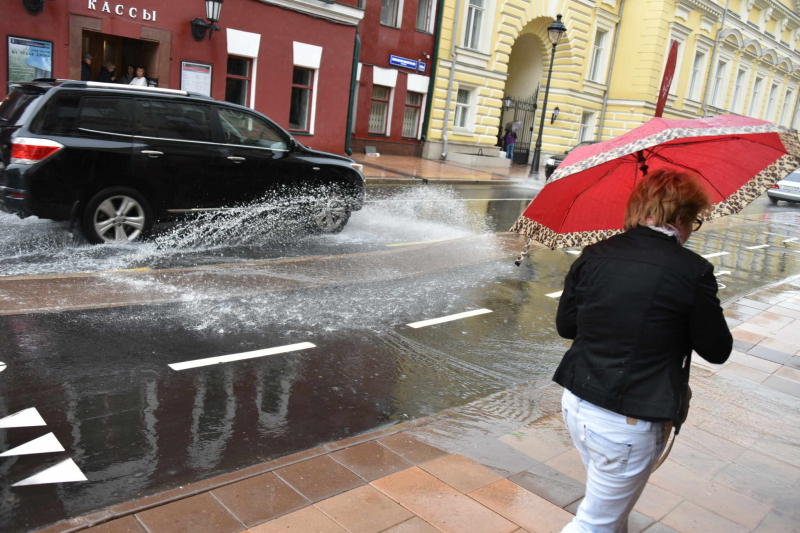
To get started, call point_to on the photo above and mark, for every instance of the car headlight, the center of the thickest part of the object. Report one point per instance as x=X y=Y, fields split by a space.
x=357 y=166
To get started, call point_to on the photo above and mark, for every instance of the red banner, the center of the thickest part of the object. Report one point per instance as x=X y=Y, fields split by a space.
x=666 y=81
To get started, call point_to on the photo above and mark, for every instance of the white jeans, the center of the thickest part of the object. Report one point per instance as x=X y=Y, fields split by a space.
x=618 y=457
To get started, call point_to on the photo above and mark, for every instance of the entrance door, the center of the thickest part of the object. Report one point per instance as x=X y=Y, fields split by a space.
x=521 y=117
x=121 y=51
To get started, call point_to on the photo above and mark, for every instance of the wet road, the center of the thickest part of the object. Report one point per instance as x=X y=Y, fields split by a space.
x=100 y=375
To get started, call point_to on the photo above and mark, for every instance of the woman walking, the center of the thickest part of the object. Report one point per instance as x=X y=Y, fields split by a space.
x=636 y=305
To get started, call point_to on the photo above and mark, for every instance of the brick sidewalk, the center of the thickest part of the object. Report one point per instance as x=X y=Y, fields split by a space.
x=505 y=463
x=396 y=168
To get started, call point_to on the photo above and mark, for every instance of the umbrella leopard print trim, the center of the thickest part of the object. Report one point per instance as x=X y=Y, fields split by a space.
x=668 y=135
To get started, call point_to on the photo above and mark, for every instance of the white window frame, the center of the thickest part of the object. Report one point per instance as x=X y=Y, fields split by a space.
x=796 y=120
x=771 y=101
x=419 y=84
x=783 y=119
x=245 y=44
x=758 y=84
x=720 y=88
x=471 y=12
x=464 y=110
x=398 y=15
x=599 y=63
x=698 y=74
x=679 y=33
x=431 y=16
x=309 y=56
x=588 y=125
x=737 y=100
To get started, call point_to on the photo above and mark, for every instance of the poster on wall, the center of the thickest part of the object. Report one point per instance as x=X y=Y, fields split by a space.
x=196 y=77
x=29 y=59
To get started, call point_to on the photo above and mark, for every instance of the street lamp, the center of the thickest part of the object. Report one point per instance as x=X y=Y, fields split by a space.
x=555 y=31
x=200 y=26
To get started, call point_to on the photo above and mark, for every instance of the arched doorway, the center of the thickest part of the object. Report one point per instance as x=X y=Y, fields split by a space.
x=525 y=68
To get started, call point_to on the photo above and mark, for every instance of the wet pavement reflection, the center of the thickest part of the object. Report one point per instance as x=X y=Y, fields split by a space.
x=100 y=380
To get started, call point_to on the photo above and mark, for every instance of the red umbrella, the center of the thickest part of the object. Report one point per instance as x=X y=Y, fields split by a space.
x=738 y=158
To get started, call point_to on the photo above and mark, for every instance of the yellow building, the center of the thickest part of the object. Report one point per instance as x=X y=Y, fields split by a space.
x=734 y=56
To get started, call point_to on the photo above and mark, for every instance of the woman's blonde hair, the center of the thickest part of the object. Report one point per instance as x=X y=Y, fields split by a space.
x=665 y=196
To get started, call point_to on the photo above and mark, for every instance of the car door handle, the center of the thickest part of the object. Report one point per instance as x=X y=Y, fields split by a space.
x=152 y=153
x=236 y=158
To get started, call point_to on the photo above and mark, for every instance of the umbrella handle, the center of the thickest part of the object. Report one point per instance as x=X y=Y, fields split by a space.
x=524 y=253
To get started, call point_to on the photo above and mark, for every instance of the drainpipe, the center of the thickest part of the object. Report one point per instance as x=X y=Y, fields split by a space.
x=450 y=79
x=437 y=31
x=348 y=131
x=609 y=73
x=714 y=58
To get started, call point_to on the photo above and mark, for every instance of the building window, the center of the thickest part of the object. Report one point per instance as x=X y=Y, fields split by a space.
x=238 y=79
x=718 y=96
x=738 y=91
x=426 y=10
x=472 y=35
x=697 y=75
x=598 y=56
x=379 y=111
x=773 y=95
x=411 y=114
x=302 y=90
x=787 y=101
x=463 y=99
x=588 y=120
x=796 y=120
x=756 y=97
x=390 y=11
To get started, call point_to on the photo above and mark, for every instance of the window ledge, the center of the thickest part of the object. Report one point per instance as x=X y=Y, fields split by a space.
x=471 y=52
x=463 y=131
x=301 y=133
x=390 y=26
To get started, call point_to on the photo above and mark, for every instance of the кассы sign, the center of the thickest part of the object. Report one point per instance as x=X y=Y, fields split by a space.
x=121 y=10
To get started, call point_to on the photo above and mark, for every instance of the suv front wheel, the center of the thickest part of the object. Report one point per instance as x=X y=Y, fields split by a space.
x=116 y=215
x=329 y=213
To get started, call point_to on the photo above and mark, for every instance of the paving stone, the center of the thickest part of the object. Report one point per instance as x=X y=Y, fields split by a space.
x=127 y=524
x=771 y=322
x=737 y=371
x=440 y=504
x=569 y=463
x=778 y=522
x=307 y=520
x=785 y=311
x=745 y=335
x=364 y=510
x=747 y=302
x=789 y=373
x=319 y=478
x=499 y=456
x=691 y=518
x=539 y=443
x=656 y=502
x=371 y=460
x=780 y=345
x=658 y=527
x=198 y=514
x=769 y=354
x=550 y=484
x=702 y=440
x=533 y=513
x=703 y=463
x=411 y=448
x=259 y=498
x=415 y=525
x=742 y=346
x=753 y=362
x=794 y=362
x=784 y=385
x=460 y=472
x=637 y=522
x=762 y=478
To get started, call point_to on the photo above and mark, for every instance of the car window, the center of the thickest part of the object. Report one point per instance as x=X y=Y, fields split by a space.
x=59 y=115
x=106 y=113
x=794 y=176
x=14 y=104
x=248 y=130
x=174 y=120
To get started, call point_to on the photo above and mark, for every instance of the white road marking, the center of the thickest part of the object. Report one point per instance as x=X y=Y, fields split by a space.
x=756 y=247
x=554 y=294
x=64 y=472
x=449 y=318
x=574 y=252
x=715 y=254
x=793 y=239
x=240 y=356
x=417 y=242
x=722 y=272
x=393 y=201
x=44 y=444
x=26 y=418
x=3 y=366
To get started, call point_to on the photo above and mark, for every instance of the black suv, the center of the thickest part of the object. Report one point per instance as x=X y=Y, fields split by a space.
x=118 y=158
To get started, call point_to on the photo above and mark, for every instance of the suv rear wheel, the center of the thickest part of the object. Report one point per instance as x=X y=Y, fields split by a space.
x=118 y=215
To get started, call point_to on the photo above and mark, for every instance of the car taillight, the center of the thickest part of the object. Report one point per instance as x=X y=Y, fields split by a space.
x=26 y=151
x=774 y=186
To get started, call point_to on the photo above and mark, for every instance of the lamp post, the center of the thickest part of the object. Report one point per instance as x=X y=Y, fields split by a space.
x=555 y=31
x=200 y=27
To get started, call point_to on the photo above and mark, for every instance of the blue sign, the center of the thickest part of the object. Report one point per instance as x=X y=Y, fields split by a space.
x=404 y=62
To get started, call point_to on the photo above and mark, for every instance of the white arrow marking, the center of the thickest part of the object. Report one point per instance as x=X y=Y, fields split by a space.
x=64 y=472
x=716 y=254
x=574 y=252
x=756 y=247
x=240 y=356
x=2 y=366
x=554 y=294
x=449 y=318
x=723 y=272
x=44 y=444
x=23 y=419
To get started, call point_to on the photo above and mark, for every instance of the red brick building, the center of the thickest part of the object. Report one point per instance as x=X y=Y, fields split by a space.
x=290 y=59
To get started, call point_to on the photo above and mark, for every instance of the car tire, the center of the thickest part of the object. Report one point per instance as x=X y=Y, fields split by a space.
x=329 y=212
x=773 y=201
x=117 y=215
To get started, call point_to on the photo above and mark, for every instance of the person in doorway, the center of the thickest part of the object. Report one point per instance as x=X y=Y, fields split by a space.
x=108 y=73
x=636 y=305
x=86 y=67
x=140 y=78
x=510 y=142
x=130 y=73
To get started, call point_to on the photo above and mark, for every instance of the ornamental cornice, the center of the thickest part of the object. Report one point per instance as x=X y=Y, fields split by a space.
x=706 y=6
x=339 y=13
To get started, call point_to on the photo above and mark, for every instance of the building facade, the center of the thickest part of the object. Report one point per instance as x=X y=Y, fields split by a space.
x=397 y=44
x=734 y=56
x=289 y=59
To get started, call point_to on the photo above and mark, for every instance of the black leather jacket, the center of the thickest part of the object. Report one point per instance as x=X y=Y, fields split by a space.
x=636 y=305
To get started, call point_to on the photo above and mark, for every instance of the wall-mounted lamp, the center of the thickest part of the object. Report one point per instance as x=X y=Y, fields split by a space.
x=507 y=103
x=554 y=116
x=200 y=26
x=34 y=7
